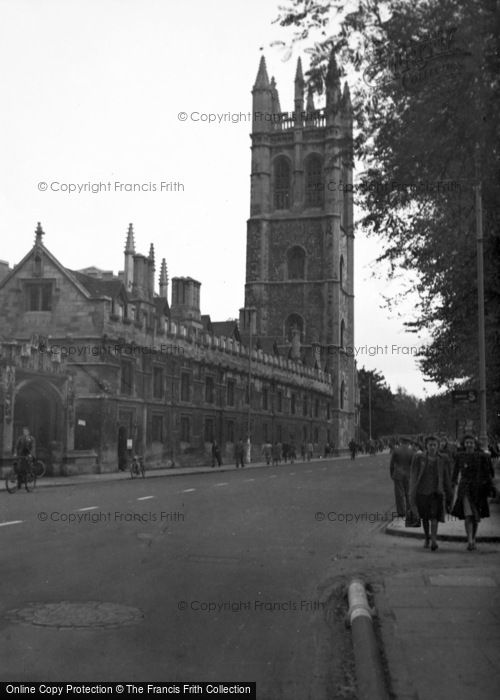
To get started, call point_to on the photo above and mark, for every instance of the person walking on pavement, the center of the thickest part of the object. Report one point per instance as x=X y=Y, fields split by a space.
x=267 y=450
x=25 y=451
x=239 y=453
x=430 y=489
x=216 y=456
x=473 y=480
x=399 y=468
x=276 y=454
x=352 y=447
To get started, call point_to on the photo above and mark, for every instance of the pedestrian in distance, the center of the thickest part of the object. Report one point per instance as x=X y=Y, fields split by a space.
x=352 y=448
x=239 y=454
x=267 y=451
x=430 y=489
x=399 y=469
x=216 y=455
x=293 y=452
x=473 y=483
x=303 y=451
x=310 y=451
x=276 y=454
x=25 y=452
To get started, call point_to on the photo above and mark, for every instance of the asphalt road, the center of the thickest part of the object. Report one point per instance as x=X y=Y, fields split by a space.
x=223 y=575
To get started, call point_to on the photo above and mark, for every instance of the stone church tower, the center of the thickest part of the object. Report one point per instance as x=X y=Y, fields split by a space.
x=299 y=266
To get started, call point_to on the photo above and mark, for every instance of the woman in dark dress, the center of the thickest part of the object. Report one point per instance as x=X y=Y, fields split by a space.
x=430 y=489
x=473 y=473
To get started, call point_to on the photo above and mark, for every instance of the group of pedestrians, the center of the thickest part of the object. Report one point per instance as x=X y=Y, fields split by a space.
x=436 y=480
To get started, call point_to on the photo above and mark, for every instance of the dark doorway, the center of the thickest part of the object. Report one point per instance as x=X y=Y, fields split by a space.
x=38 y=407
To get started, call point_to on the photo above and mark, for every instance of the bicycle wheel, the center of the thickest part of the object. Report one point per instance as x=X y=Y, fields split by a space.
x=30 y=480
x=38 y=468
x=11 y=481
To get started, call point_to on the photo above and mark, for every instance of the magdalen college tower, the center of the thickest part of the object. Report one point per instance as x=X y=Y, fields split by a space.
x=300 y=241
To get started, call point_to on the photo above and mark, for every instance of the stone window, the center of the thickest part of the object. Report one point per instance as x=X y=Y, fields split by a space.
x=39 y=296
x=127 y=377
x=185 y=429
x=296 y=263
x=230 y=431
x=158 y=382
x=341 y=271
x=342 y=392
x=292 y=322
x=265 y=399
x=316 y=408
x=209 y=390
x=342 y=333
x=282 y=183
x=314 y=181
x=304 y=406
x=292 y=405
x=230 y=392
x=209 y=429
x=157 y=428
x=279 y=401
x=185 y=386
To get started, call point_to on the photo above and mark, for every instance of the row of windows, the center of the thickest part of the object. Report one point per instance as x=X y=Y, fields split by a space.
x=185 y=394
x=283 y=182
x=230 y=432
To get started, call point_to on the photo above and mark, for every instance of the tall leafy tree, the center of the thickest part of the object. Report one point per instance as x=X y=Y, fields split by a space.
x=427 y=108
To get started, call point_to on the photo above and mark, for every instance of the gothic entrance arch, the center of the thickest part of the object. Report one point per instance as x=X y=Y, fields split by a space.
x=38 y=405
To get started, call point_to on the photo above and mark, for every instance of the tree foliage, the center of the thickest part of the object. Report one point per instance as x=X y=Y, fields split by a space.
x=427 y=110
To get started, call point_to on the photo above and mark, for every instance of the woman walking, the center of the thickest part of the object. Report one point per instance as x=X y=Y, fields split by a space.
x=473 y=477
x=430 y=489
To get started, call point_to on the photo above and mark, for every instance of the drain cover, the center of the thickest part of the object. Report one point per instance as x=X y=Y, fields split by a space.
x=76 y=615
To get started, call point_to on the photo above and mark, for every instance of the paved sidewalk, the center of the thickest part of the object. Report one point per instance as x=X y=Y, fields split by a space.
x=76 y=479
x=440 y=626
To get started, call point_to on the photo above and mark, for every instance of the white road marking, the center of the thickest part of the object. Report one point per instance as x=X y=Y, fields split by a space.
x=248 y=479
x=12 y=522
x=273 y=476
x=223 y=483
x=89 y=508
x=145 y=498
x=188 y=490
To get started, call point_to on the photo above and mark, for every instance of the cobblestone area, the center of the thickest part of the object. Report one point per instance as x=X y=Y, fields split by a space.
x=83 y=615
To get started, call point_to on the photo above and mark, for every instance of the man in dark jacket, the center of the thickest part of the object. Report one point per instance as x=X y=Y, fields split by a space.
x=25 y=451
x=399 y=468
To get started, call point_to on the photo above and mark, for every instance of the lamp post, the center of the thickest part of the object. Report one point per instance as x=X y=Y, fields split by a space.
x=370 y=406
x=483 y=435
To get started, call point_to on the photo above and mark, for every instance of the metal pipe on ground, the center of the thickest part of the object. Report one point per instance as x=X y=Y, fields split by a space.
x=369 y=670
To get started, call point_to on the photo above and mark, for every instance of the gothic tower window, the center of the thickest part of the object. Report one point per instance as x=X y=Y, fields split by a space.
x=341 y=271
x=292 y=322
x=314 y=181
x=342 y=333
x=282 y=183
x=296 y=263
x=342 y=392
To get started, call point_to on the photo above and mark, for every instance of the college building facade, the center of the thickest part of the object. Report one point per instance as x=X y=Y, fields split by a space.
x=97 y=364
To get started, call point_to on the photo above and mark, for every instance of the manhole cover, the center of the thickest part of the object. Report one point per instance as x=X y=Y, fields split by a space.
x=78 y=615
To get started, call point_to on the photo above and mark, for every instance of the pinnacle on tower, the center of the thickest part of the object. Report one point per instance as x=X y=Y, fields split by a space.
x=130 y=244
x=163 y=281
x=346 y=98
x=299 y=88
x=310 y=101
x=262 y=80
x=151 y=256
x=39 y=232
x=332 y=84
x=275 y=97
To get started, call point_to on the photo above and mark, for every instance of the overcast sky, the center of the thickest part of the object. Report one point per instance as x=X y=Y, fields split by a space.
x=91 y=93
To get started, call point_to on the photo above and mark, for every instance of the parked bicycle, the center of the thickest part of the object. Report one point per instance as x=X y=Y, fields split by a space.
x=137 y=467
x=24 y=472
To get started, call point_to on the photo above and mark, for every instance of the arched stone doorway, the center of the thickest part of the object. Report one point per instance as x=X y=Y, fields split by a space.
x=37 y=404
